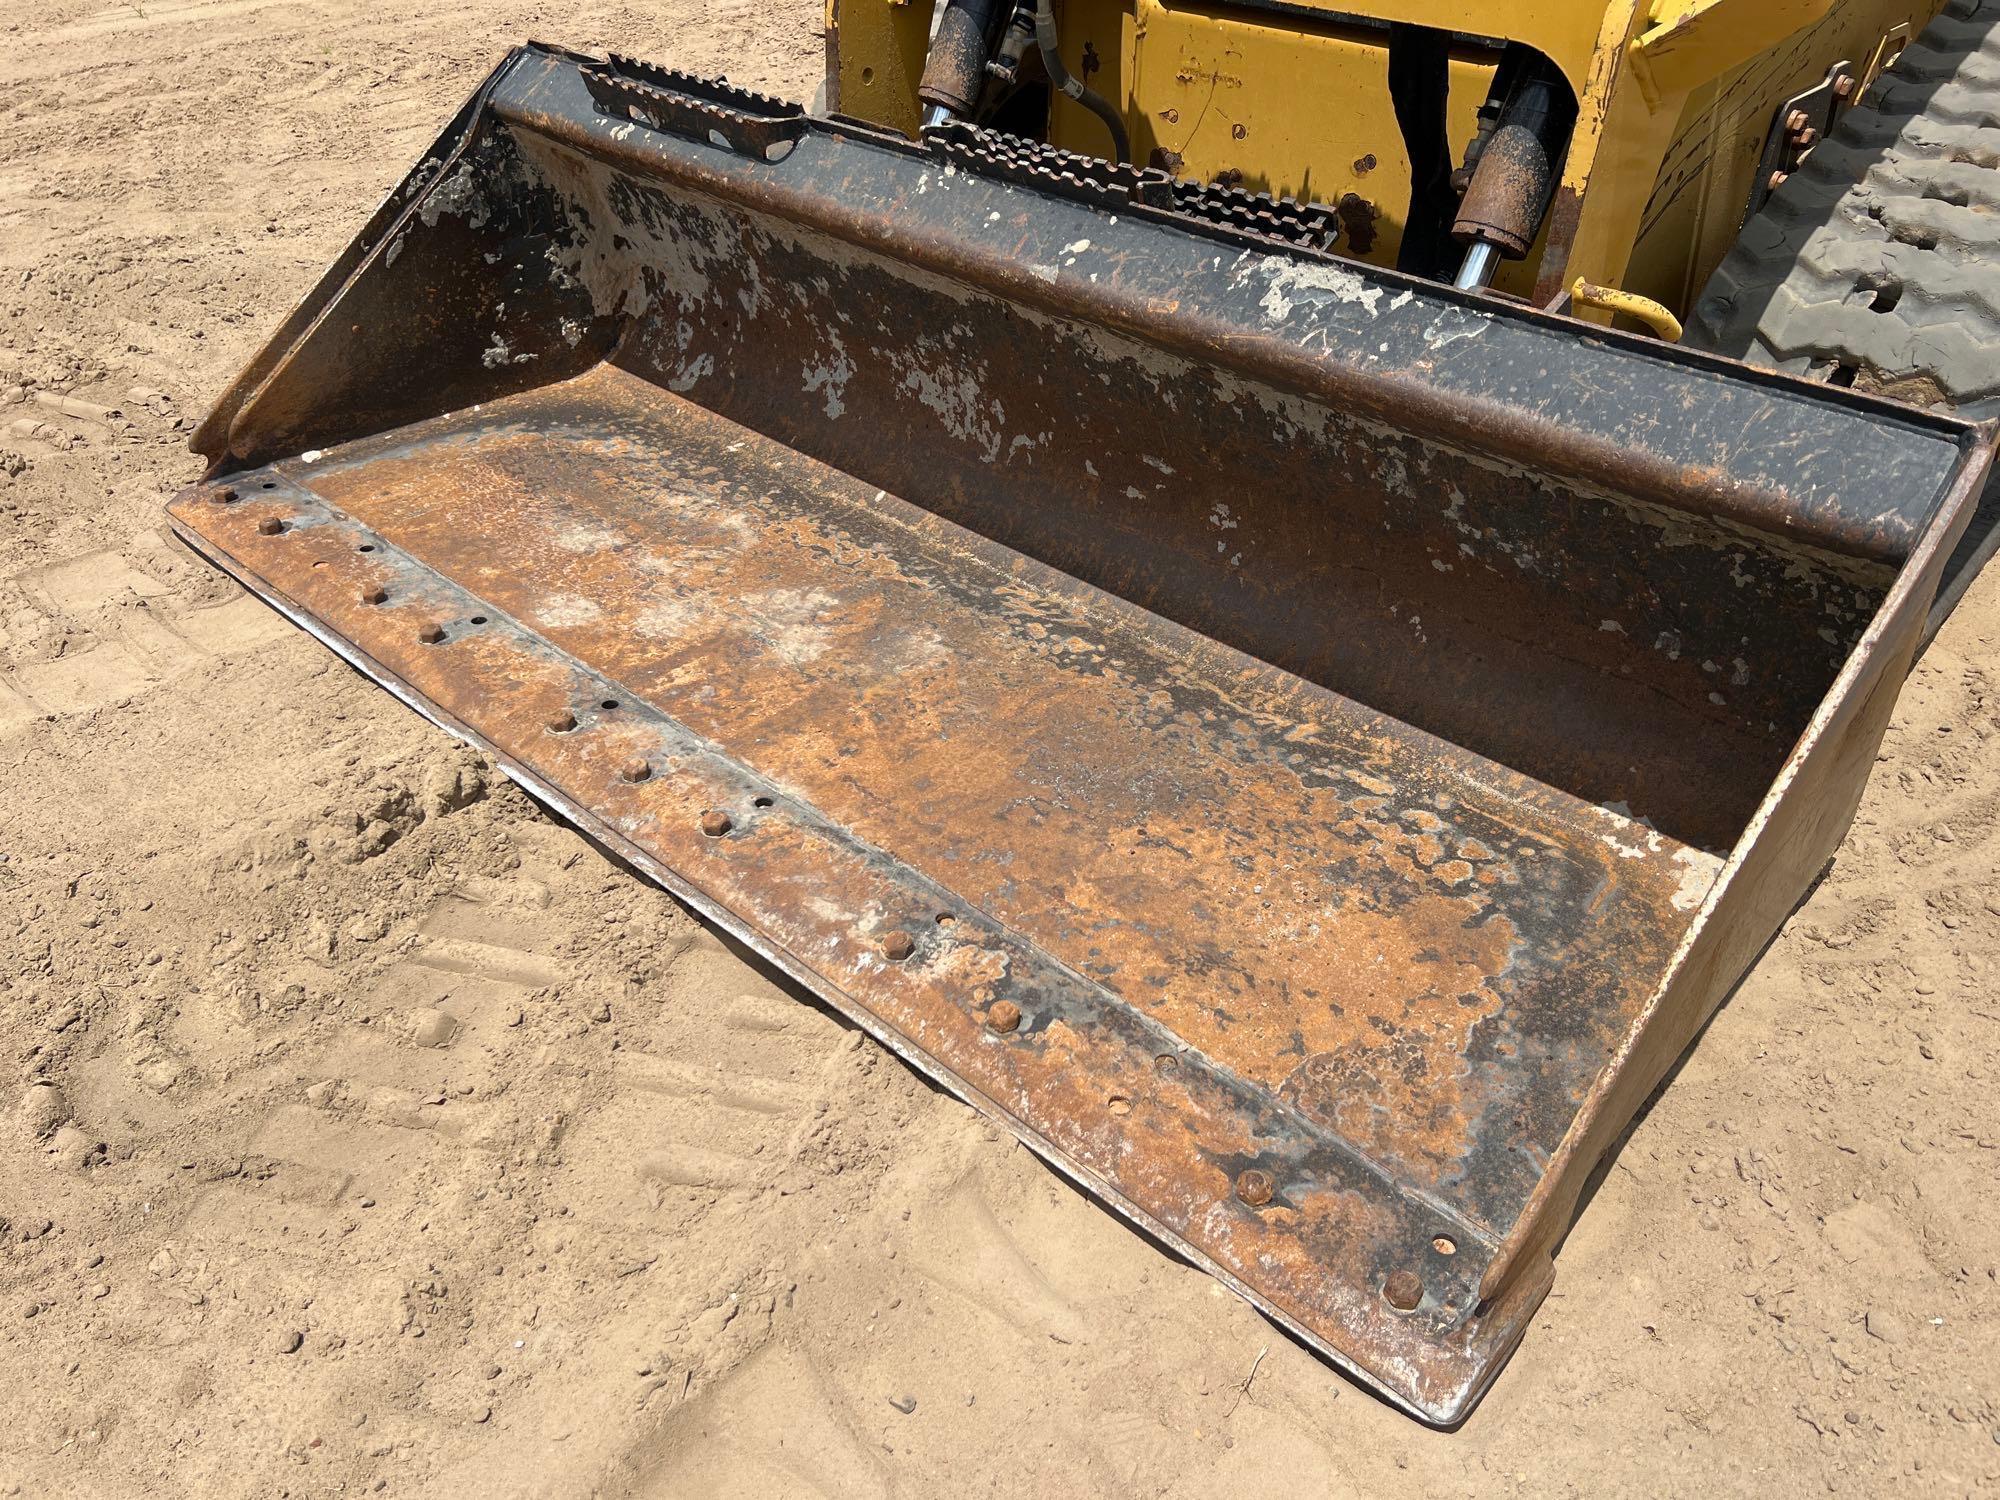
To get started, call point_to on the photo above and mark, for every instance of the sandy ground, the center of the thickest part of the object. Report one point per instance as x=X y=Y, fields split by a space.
x=365 y=1131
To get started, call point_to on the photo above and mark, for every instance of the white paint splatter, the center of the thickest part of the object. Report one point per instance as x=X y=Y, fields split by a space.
x=831 y=376
x=1698 y=875
x=1288 y=284
x=499 y=355
x=459 y=196
x=692 y=374
x=1452 y=325
x=1648 y=839
x=958 y=402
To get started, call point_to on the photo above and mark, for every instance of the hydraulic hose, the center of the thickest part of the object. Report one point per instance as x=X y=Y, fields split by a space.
x=1070 y=84
x=1420 y=90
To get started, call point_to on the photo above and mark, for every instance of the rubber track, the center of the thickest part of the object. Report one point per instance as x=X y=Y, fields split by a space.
x=1878 y=262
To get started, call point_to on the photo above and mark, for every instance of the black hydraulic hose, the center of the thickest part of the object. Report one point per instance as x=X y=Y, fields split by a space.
x=1420 y=90
x=1070 y=84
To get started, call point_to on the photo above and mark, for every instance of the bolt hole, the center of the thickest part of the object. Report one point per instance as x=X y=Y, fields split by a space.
x=608 y=704
x=365 y=547
x=479 y=619
x=1166 y=1062
x=269 y=484
x=1444 y=1244
x=762 y=802
x=867 y=75
x=1119 y=1104
x=320 y=563
x=1884 y=295
x=944 y=919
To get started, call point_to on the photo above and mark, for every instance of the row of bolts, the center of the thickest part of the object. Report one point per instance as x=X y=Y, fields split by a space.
x=1002 y=1015
x=1803 y=137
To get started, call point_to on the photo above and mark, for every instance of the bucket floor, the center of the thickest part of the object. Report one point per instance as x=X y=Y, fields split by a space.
x=1249 y=926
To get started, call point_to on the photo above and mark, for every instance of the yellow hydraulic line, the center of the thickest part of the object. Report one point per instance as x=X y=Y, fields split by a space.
x=1645 y=309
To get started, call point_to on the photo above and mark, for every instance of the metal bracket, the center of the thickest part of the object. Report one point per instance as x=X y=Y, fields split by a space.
x=1800 y=123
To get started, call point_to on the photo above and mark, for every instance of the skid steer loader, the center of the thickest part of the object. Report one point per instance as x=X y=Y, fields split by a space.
x=1166 y=558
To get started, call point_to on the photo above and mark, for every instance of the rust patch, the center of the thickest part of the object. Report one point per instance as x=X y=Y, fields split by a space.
x=1158 y=949
x=1302 y=927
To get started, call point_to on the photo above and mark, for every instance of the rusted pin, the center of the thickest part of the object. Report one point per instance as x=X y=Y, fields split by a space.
x=898 y=945
x=1003 y=1016
x=562 y=723
x=224 y=496
x=270 y=526
x=1254 y=1186
x=715 y=822
x=635 y=769
x=375 y=596
x=430 y=635
x=1843 y=86
x=1404 y=1290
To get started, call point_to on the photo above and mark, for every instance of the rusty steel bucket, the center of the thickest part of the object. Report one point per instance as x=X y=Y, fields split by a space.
x=1303 y=748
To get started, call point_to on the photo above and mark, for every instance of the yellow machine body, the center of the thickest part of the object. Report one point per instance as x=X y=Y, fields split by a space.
x=1676 y=99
